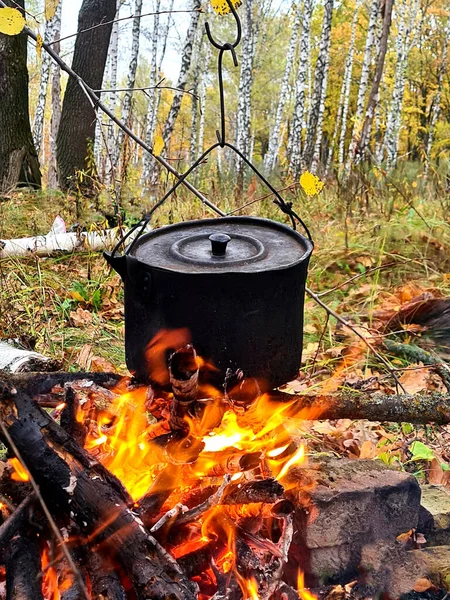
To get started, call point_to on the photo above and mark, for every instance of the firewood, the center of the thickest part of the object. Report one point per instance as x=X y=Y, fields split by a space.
x=17 y=520
x=183 y=374
x=42 y=383
x=105 y=582
x=73 y=484
x=194 y=513
x=69 y=417
x=198 y=561
x=424 y=407
x=23 y=568
x=16 y=360
x=265 y=490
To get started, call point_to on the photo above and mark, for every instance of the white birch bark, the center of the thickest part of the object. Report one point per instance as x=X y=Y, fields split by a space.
x=319 y=131
x=363 y=84
x=193 y=146
x=337 y=124
x=274 y=139
x=295 y=138
x=131 y=79
x=186 y=60
x=152 y=93
x=405 y=39
x=38 y=125
x=52 y=180
x=348 y=82
x=202 y=99
x=437 y=99
x=319 y=87
x=243 y=133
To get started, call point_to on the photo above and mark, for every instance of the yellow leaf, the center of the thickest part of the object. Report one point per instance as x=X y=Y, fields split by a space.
x=39 y=42
x=158 y=145
x=311 y=184
x=11 y=21
x=50 y=9
x=221 y=6
x=76 y=296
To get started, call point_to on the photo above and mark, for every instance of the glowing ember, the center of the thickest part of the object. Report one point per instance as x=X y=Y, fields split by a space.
x=19 y=474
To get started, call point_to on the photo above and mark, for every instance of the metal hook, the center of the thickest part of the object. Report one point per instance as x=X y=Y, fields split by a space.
x=227 y=46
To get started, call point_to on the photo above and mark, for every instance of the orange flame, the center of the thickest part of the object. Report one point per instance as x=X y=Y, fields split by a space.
x=304 y=593
x=20 y=473
x=50 y=580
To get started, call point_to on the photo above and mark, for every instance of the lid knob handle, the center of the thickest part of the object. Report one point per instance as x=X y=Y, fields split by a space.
x=219 y=242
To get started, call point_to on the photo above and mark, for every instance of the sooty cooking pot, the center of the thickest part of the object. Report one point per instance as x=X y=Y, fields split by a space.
x=236 y=283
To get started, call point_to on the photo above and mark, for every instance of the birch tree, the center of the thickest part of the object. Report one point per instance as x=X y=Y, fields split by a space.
x=131 y=78
x=186 y=59
x=274 y=138
x=38 y=125
x=375 y=89
x=320 y=83
x=319 y=129
x=363 y=83
x=295 y=138
x=52 y=178
x=347 y=85
x=436 y=106
x=404 y=41
x=243 y=125
x=193 y=147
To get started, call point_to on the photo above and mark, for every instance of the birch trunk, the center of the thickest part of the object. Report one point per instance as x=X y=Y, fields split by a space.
x=52 y=180
x=337 y=124
x=295 y=138
x=203 y=85
x=319 y=130
x=437 y=99
x=347 y=83
x=320 y=81
x=274 y=139
x=152 y=93
x=363 y=84
x=193 y=147
x=243 y=132
x=375 y=90
x=111 y=98
x=392 y=122
x=131 y=79
x=38 y=125
x=186 y=59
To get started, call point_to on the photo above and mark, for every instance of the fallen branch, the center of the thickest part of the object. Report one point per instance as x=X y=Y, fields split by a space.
x=424 y=407
x=17 y=520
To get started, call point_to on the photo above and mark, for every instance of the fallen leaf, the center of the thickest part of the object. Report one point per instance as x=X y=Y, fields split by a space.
x=80 y=317
x=367 y=450
x=414 y=380
x=101 y=365
x=422 y=585
x=436 y=472
x=84 y=357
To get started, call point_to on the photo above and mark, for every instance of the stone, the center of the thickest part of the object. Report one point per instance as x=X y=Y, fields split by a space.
x=434 y=520
x=437 y=561
x=354 y=505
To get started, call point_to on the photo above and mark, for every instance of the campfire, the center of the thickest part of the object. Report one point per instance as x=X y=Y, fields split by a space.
x=187 y=493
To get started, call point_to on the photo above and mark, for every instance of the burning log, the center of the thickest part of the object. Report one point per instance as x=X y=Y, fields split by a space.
x=71 y=482
x=183 y=374
x=35 y=384
x=23 y=568
x=267 y=491
x=69 y=420
x=17 y=520
x=105 y=582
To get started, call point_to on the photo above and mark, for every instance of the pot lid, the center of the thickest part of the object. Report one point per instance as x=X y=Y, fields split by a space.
x=227 y=244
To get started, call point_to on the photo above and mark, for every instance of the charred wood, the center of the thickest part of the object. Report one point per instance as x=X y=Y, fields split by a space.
x=17 y=521
x=42 y=383
x=71 y=483
x=199 y=560
x=105 y=582
x=23 y=568
x=265 y=490
x=69 y=420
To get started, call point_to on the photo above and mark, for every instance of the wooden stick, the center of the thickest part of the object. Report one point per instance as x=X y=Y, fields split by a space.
x=16 y=521
x=23 y=568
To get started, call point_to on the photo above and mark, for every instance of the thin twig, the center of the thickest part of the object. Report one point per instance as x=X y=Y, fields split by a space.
x=288 y=187
x=213 y=500
x=47 y=513
x=168 y=516
x=344 y=322
x=144 y=89
x=98 y=103
x=162 y=12
x=343 y=284
x=9 y=528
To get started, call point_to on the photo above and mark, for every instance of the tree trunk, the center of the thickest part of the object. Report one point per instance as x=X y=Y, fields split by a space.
x=363 y=83
x=19 y=162
x=319 y=131
x=186 y=59
x=295 y=141
x=152 y=94
x=52 y=180
x=319 y=84
x=337 y=124
x=243 y=125
x=38 y=125
x=437 y=99
x=193 y=147
x=202 y=99
x=375 y=90
x=347 y=83
x=131 y=80
x=403 y=46
x=77 y=127
x=274 y=140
